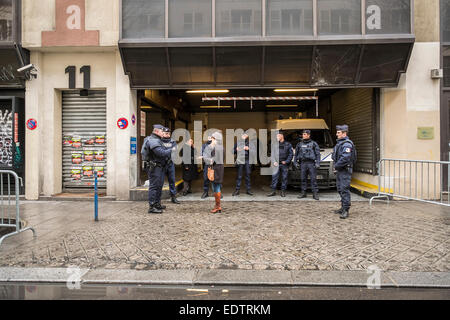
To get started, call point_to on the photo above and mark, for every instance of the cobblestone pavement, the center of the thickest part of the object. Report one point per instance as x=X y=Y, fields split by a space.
x=402 y=236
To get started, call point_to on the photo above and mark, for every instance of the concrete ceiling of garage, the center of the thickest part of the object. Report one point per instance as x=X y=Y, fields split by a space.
x=193 y=102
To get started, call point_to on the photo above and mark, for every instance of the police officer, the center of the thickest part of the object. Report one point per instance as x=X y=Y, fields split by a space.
x=307 y=154
x=169 y=169
x=244 y=149
x=285 y=157
x=206 y=181
x=344 y=157
x=155 y=155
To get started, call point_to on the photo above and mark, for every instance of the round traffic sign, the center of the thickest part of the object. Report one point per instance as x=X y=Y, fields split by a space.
x=122 y=123
x=31 y=124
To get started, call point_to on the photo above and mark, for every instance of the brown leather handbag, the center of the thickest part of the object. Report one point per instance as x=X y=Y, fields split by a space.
x=210 y=173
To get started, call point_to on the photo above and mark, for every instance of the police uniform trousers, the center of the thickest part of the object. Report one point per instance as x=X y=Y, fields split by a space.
x=343 y=180
x=206 y=181
x=170 y=172
x=240 y=170
x=283 y=170
x=156 y=182
x=309 y=167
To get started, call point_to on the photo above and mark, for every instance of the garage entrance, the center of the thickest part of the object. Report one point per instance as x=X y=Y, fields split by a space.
x=359 y=108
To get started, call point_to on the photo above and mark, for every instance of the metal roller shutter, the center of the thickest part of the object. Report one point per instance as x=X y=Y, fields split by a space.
x=356 y=108
x=84 y=138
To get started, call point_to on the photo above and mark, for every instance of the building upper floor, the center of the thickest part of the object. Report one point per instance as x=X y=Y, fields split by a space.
x=137 y=21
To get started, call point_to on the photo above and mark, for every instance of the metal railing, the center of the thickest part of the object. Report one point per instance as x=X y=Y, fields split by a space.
x=419 y=180
x=9 y=207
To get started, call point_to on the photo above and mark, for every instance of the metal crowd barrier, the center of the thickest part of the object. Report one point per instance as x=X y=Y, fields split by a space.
x=425 y=181
x=9 y=206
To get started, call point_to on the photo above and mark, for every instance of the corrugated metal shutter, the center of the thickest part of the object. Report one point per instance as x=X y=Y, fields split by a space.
x=355 y=107
x=84 y=118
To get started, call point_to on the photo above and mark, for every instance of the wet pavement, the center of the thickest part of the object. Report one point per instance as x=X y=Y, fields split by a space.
x=142 y=292
x=276 y=235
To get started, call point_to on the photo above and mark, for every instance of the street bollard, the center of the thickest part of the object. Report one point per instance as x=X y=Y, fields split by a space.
x=95 y=196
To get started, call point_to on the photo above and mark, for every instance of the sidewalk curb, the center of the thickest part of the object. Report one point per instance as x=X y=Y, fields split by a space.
x=278 y=278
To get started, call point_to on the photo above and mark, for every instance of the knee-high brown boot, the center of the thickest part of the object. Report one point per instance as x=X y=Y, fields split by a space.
x=217 y=208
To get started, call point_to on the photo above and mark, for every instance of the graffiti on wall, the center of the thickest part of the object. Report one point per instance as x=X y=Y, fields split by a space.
x=6 y=139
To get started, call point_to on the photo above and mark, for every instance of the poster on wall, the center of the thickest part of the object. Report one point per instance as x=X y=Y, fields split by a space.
x=87 y=154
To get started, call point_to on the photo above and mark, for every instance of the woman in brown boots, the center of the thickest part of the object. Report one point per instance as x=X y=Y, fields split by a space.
x=213 y=156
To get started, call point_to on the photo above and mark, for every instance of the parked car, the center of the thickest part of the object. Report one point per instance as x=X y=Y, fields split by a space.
x=320 y=133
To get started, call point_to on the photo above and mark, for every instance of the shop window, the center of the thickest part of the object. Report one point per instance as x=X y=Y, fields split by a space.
x=143 y=19
x=189 y=18
x=289 y=17
x=445 y=9
x=388 y=16
x=340 y=17
x=6 y=20
x=238 y=18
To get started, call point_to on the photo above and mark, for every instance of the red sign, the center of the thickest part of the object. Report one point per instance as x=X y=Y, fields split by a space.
x=31 y=124
x=122 y=123
x=70 y=26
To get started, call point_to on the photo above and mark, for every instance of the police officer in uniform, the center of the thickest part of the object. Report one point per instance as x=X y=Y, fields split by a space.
x=155 y=155
x=344 y=157
x=169 y=169
x=285 y=157
x=243 y=149
x=307 y=154
x=206 y=181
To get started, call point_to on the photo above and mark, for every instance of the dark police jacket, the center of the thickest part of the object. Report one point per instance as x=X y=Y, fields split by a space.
x=307 y=150
x=342 y=154
x=153 y=150
x=285 y=152
x=168 y=144
x=249 y=154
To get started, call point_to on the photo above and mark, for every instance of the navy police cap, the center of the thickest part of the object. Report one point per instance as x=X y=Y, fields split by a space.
x=158 y=126
x=342 y=128
x=307 y=131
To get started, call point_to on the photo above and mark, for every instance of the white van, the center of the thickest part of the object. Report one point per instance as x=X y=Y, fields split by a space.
x=320 y=133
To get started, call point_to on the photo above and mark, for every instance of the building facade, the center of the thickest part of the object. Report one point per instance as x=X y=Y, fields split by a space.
x=108 y=70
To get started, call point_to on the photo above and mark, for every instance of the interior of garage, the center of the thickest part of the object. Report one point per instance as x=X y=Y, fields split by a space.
x=359 y=108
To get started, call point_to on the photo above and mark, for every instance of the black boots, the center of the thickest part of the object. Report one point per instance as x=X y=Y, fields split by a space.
x=272 y=194
x=205 y=195
x=338 y=211
x=302 y=195
x=160 y=206
x=155 y=210
x=316 y=196
x=283 y=193
x=249 y=192
x=236 y=193
x=175 y=200
x=344 y=214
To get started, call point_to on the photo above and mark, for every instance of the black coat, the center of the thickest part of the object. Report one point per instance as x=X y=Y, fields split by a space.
x=190 y=170
x=210 y=159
